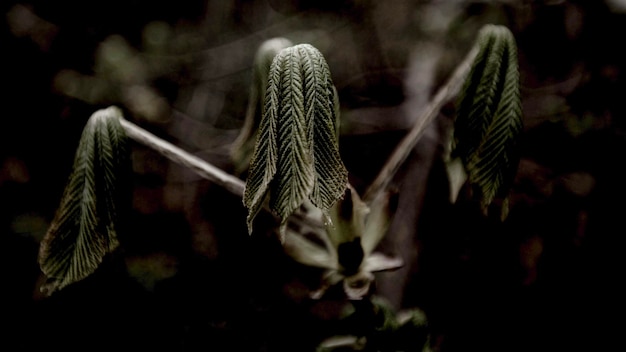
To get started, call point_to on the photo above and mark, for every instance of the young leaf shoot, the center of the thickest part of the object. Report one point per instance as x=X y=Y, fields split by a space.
x=85 y=227
x=296 y=156
x=489 y=119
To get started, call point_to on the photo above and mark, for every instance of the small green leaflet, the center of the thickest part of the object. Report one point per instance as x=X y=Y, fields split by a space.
x=296 y=156
x=489 y=118
x=85 y=226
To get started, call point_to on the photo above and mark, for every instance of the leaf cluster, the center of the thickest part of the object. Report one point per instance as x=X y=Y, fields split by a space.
x=296 y=156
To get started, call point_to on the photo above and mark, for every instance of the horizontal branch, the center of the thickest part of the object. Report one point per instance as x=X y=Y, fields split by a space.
x=178 y=155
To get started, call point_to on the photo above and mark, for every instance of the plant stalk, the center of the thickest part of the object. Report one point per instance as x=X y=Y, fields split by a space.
x=403 y=149
x=178 y=155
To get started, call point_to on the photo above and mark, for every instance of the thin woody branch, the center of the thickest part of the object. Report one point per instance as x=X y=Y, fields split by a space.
x=178 y=155
x=403 y=149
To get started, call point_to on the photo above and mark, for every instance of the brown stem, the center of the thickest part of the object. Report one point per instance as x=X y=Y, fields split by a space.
x=403 y=149
x=174 y=153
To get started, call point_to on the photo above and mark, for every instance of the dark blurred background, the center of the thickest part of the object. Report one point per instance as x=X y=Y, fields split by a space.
x=189 y=277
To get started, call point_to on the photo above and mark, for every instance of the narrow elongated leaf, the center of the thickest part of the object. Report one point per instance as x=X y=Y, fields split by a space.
x=307 y=252
x=378 y=220
x=263 y=161
x=85 y=227
x=331 y=176
x=489 y=118
x=306 y=239
x=295 y=173
x=296 y=156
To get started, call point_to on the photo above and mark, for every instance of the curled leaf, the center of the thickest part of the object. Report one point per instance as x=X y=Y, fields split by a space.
x=85 y=226
x=489 y=118
x=296 y=156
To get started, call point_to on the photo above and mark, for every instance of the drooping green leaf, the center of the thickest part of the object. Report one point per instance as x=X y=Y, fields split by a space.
x=243 y=146
x=296 y=156
x=489 y=118
x=331 y=176
x=263 y=162
x=86 y=224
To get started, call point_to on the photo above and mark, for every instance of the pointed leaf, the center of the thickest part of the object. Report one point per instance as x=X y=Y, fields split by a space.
x=457 y=176
x=307 y=252
x=85 y=227
x=378 y=219
x=306 y=240
x=264 y=158
x=380 y=262
x=331 y=176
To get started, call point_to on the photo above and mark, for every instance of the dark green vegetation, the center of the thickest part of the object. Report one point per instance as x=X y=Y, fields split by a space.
x=189 y=277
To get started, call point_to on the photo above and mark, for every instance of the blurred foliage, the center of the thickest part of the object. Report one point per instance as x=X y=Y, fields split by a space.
x=385 y=330
x=184 y=70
